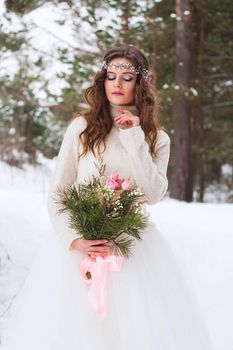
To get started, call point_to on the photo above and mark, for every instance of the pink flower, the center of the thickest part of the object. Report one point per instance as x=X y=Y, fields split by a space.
x=112 y=184
x=114 y=181
x=126 y=185
x=119 y=181
x=114 y=175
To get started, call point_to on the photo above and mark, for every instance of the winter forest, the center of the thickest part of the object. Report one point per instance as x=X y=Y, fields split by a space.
x=49 y=53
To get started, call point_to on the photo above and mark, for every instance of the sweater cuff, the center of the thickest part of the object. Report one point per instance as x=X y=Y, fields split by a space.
x=70 y=237
x=132 y=138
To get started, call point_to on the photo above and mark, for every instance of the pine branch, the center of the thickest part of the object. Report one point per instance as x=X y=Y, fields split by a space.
x=116 y=218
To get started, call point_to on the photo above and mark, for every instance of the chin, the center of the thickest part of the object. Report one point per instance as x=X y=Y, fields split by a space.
x=118 y=100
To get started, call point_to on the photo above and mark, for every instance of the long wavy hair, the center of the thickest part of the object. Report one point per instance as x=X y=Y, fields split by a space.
x=98 y=117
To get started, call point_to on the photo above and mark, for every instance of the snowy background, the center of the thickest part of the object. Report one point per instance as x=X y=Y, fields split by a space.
x=200 y=234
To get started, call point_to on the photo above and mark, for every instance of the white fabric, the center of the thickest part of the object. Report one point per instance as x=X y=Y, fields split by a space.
x=126 y=151
x=150 y=303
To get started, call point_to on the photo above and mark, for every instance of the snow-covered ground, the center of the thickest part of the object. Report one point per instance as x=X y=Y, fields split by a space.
x=201 y=235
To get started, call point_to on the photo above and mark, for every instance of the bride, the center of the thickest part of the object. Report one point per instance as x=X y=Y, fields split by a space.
x=150 y=303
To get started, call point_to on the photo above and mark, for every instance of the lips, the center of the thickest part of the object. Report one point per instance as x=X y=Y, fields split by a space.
x=117 y=93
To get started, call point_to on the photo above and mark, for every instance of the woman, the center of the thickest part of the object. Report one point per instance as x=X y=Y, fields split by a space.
x=150 y=305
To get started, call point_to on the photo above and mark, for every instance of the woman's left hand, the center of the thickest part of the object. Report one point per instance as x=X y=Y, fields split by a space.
x=127 y=119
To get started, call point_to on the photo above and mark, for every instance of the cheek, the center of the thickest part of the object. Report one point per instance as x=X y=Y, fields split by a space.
x=106 y=86
x=131 y=89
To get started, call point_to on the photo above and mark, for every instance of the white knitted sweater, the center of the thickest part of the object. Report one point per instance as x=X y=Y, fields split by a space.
x=127 y=152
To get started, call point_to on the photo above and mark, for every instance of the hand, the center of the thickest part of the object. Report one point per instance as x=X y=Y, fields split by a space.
x=127 y=118
x=91 y=248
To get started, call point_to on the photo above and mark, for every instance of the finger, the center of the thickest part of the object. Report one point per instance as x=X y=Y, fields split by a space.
x=99 y=249
x=128 y=121
x=121 y=120
x=104 y=250
x=124 y=120
x=97 y=241
x=94 y=255
x=90 y=258
x=122 y=115
x=89 y=255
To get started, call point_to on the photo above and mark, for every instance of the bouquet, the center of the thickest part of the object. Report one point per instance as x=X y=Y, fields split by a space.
x=109 y=208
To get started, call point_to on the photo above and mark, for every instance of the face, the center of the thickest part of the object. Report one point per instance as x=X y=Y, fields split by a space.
x=120 y=83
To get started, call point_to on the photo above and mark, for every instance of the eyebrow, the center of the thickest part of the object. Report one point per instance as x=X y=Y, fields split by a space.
x=122 y=72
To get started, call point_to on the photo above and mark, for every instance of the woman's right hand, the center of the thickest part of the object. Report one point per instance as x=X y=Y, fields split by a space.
x=91 y=248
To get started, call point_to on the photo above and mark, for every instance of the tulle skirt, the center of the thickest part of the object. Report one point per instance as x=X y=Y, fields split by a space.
x=150 y=303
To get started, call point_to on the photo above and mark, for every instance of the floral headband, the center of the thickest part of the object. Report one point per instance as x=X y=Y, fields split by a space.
x=122 y=66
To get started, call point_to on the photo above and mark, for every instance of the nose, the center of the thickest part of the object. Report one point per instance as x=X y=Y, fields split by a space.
x=117 y=82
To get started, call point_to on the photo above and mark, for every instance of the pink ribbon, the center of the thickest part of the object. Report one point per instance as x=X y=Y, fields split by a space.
x=95 y=274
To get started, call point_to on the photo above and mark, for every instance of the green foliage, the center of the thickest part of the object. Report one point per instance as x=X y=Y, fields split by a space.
x=212 y=120
x=148 y=25
x=97 y=212
x=23 y=6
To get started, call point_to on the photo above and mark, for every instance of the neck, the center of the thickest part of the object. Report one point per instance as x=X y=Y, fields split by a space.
x=114 y=112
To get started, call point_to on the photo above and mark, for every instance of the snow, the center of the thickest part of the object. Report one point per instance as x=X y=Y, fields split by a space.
x=194 y=91
x=200 y=234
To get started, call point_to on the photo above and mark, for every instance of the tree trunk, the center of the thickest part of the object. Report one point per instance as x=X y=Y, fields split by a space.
x=153 y=33
x=181 y=180
x=198 y=115
x=125 y=8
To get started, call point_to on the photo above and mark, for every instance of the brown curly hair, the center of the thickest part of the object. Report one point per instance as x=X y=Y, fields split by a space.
x=98 y=118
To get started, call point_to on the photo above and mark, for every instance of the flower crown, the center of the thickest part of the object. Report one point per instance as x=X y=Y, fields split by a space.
x=122 y=66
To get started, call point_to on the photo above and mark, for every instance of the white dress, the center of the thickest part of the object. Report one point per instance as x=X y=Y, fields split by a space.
x=150 y=304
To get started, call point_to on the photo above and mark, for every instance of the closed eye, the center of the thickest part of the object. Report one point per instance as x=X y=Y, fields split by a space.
x=128 y=78
x=112 y=77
